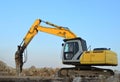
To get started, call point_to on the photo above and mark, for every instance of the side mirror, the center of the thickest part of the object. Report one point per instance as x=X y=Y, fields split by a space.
x=62 y=44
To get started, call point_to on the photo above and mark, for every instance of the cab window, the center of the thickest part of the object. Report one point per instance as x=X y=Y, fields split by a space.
x=70 y=49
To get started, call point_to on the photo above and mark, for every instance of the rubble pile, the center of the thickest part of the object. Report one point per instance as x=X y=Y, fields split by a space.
x=6 y=70
x=42 y=72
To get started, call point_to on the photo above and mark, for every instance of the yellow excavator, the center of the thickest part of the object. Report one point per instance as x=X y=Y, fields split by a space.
x=74 y=53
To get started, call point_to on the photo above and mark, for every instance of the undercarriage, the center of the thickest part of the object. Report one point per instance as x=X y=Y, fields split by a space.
x=85 y=71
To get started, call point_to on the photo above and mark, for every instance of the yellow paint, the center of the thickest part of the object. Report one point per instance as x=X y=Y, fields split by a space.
x=99 y=57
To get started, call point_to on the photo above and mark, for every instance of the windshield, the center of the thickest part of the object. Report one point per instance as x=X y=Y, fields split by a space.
x=70 y=49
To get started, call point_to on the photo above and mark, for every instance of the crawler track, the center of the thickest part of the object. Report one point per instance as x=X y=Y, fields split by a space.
x=85 y=72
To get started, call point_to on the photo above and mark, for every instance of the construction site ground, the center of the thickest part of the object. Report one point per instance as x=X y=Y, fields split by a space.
x=33 y=74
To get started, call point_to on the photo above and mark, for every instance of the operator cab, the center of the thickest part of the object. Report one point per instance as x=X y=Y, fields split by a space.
x=72 y=50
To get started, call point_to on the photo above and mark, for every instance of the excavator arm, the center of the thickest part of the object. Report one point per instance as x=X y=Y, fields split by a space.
x=54 y=30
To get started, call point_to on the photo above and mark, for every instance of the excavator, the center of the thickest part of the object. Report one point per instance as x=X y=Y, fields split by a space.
x=75 y=52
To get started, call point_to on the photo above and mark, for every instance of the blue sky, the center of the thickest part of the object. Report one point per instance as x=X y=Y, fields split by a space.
x=97 y=21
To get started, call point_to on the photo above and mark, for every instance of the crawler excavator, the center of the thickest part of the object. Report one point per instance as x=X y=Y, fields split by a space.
x=74 y=53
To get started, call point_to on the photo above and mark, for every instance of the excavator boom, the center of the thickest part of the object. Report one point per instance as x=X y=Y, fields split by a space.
x=56 y=30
